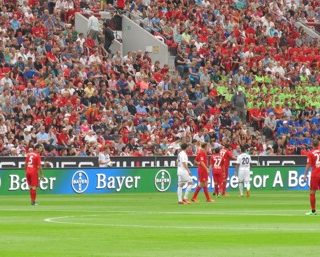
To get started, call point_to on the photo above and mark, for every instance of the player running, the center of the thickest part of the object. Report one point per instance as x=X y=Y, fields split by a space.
x=217 y=166
x=314 y=164
x=184 y=175
x=203 y=173
x=32 y=169
x=227 y=156
x=243 y=171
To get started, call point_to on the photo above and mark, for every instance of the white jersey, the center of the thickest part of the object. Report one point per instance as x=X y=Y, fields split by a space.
x=244 y=161
x=182 y=157
x=182 y=172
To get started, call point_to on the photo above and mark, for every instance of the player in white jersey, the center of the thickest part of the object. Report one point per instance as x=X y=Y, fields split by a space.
x=243 y=171
x=184 y=175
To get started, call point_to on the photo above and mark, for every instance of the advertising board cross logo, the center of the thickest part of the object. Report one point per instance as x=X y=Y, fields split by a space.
x=80 y=181
x=162 y=180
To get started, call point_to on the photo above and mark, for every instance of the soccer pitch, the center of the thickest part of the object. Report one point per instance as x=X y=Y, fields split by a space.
x=138 y=225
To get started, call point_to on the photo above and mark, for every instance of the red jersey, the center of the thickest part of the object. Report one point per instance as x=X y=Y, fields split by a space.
x=314 y=161
x=217 y=162
x=202 y=157
x=226 y=155
x=33 y=162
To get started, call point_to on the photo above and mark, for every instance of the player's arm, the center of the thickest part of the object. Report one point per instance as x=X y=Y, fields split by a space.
x=236 y=171
x=41 y=173
x=307 y=169
x=236 y=167
x=185 y=165
x=203 y=165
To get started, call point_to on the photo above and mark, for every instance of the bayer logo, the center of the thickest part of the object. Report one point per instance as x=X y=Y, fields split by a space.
x=162 y=180
x=80 y=181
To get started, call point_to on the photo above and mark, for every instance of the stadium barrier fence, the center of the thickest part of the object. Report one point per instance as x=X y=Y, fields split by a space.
x=148 y=180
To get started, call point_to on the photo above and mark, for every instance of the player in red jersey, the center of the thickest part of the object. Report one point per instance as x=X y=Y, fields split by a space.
x=227 y=156
x=33 y=169
x=203 y=173
x=314 y=164
x=217 y=165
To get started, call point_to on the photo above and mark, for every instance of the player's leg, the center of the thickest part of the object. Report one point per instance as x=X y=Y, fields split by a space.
x=220 y=184
x=225 y=180
x=188 y=189
x=216 y=184
x=314 y=185
x=196 y=192
x=206 y=192
x=247 y=182
x=32 y=182
x=181 y=183
x=241 y=182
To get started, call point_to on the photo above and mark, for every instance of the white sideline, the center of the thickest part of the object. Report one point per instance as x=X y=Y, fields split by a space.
x=58 y=220
x=184 y=212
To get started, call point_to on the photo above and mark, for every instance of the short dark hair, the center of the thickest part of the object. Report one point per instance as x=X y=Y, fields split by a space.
x=217 y=150
x=243 y=148
x=184 y=146
x=203 y=145
x=315 y=143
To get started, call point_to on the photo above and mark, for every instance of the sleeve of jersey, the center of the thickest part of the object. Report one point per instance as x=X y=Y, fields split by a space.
x=238 y=160
x=309 y=159
x=184 y=158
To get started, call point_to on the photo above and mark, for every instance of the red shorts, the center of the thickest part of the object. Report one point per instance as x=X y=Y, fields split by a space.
x=32 y=179
x=203 y=176
x=315 y=182
x=218 y=178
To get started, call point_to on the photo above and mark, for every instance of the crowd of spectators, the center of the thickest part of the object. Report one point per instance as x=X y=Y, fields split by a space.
x=244 y=75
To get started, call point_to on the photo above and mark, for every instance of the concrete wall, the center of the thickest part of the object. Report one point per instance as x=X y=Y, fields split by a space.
x=308 y=30
x=81 y=26
x=136 y=38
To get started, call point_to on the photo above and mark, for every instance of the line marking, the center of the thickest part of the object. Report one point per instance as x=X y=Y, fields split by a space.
x=59 y=220
x=184 y=212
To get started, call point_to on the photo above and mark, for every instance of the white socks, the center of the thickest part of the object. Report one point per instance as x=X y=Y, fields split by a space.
x=247 y=185
x=241 y=188
x=179 y=191
x=188 y=189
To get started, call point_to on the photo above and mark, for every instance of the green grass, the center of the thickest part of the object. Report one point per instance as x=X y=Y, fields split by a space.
x=139 y=225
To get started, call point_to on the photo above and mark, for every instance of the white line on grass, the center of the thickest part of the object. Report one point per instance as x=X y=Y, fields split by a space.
x=59 y=220
x=184 y=212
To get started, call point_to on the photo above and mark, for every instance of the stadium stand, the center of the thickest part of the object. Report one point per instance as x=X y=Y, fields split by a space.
x=244 y=75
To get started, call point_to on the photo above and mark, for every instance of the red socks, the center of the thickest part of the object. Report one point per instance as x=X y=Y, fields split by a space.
x=195 y=195
x=313 y=202
x=206 y=192
x=33 y=195
x=216 y=189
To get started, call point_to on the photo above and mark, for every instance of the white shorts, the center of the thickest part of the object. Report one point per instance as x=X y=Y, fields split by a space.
x=184 y=177
x=244 y=175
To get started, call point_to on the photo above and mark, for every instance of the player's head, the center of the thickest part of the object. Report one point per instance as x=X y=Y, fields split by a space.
x=217 y=149
x=316 y=143
x=243 y=148
x=184 y=146
x=38 y=148
x=204 y=145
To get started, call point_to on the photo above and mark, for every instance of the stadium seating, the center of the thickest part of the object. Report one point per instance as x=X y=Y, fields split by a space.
x=62 y=90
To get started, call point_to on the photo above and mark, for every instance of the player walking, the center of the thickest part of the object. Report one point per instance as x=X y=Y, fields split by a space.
x=203 y=173
x=184 y=175
x=314 y=164
x=32 y=169
x=227 y=156
x=243 y=171
x=217 y=166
